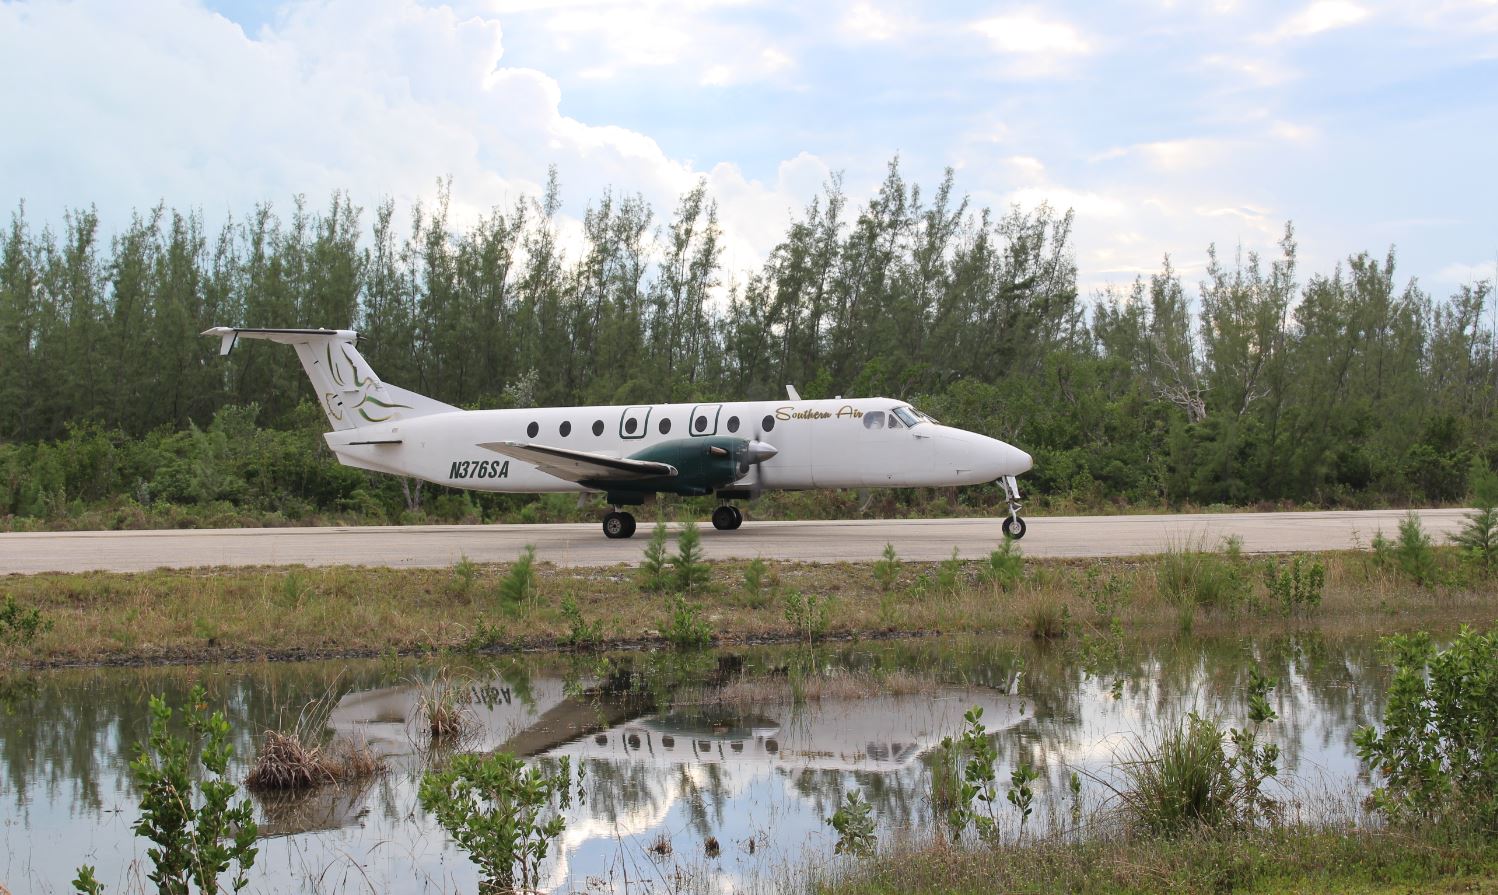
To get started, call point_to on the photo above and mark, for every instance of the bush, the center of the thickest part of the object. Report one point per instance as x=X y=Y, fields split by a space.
x=518 y=585
x=1414 y=553
x=199 y=835
x=808 y=614
x=691 y=572
x=684 y=627
x=581 y=634
x=1438 y=752
x=1005 y=566
x=1478 y=540
x=502 y=814
x=854 y=826
x=887 y=569
x=1297 y=585
x=652 y=574
x=19 y=624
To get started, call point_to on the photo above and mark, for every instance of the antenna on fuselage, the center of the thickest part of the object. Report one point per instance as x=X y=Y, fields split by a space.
x=790 y=392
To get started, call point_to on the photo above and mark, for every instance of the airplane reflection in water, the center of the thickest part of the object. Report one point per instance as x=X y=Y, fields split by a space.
x=878 y=734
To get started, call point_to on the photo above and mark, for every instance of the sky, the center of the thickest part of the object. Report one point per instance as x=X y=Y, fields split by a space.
x=1167 y=125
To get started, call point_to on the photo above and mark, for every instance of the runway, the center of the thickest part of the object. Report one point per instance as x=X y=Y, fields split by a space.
x=584 y=544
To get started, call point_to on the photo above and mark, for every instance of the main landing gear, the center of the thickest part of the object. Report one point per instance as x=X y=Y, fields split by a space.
x=1014 y=526
x=618 y=524
x=727 y=517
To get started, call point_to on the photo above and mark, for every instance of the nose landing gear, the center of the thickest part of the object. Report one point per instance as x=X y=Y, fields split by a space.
x=727 y=517
x=1014 y=526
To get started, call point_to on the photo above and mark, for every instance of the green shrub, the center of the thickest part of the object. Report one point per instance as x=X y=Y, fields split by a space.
x=518 y=586
x=949 y=573
x=756 y=582
x=685 y=628
x=808 y=614
x=1006 y=565
x=465 y=572
x=1478 y=540
x=1414 y=552
x=198 y=834
x=690 y=571
x=854 y=826
x=971 y=792
x=652 y=574
x=1438 y=752
x=504 y=815
x=20 y=625
x=581 y=634
x=887 y=568
x=1296 y=586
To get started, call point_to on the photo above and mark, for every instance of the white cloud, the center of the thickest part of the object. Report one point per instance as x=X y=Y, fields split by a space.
x=379 y=97
x=864 y=21
x=1026 y=33
x=1462 y=274
x=1323 y=15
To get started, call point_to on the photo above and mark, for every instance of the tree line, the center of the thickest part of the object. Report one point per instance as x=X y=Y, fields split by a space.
x=1258 y=383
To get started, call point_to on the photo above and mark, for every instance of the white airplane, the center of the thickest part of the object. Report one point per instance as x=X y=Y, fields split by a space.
x=735 y=450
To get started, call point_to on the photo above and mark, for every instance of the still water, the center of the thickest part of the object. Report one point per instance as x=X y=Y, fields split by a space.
x=683 y=790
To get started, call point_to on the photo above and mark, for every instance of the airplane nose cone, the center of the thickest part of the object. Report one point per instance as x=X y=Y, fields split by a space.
x=760 y=451
x=1020 y=460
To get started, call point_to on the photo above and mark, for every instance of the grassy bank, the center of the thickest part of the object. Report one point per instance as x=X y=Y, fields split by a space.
x=1284 y=860
x=164 y=616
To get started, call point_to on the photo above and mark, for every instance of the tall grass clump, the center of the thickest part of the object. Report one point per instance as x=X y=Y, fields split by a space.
x=1198 y=578
x=292 y=758
x=1183 y=783
x=440 y=712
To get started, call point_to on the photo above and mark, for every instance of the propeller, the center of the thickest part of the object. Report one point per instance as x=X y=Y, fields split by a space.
x=756 y=452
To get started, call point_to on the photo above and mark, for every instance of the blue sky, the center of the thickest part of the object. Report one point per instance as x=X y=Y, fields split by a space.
x=1166 y=125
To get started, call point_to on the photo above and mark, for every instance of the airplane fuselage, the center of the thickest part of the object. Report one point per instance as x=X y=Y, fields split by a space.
x=837 y=443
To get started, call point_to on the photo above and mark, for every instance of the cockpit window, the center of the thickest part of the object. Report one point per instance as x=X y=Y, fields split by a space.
x=906 y=416
x=925 y=416
x=874 y=419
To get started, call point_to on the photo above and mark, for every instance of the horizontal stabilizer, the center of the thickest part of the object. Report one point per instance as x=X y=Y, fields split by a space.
x=579 y=466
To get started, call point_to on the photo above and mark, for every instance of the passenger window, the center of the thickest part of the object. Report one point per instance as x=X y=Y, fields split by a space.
x=566 y=428
x=733 y=424
x=874 y=419
x=532 y=430
x=630 y=425
x=597 y=428
x=665 y=426
x=767 y=423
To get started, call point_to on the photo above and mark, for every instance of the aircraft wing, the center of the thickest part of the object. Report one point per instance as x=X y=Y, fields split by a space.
x=578 y=466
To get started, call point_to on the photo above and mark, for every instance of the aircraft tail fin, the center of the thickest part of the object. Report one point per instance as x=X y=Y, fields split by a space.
x=350 y=393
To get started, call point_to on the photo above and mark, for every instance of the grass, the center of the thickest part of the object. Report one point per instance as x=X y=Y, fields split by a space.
x=227 y=614
x=1284 y=860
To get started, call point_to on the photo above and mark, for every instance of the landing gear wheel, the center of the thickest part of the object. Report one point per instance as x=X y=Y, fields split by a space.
x=727 y=518
x=1014 y=528
x=618 y=525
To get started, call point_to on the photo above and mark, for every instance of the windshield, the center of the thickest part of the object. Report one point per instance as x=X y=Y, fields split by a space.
x=906 y=415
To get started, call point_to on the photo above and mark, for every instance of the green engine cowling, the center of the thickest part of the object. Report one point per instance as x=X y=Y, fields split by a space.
x=703 y=465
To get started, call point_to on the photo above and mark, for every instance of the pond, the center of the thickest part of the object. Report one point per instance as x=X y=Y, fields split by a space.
x=712 y=771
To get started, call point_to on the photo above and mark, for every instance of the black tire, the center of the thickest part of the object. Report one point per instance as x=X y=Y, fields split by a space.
x=1014 y=528
x=738 y=517
x=726 y=518
x=618 y=525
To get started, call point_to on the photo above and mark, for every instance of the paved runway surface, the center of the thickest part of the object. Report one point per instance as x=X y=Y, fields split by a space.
x=585 y=545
